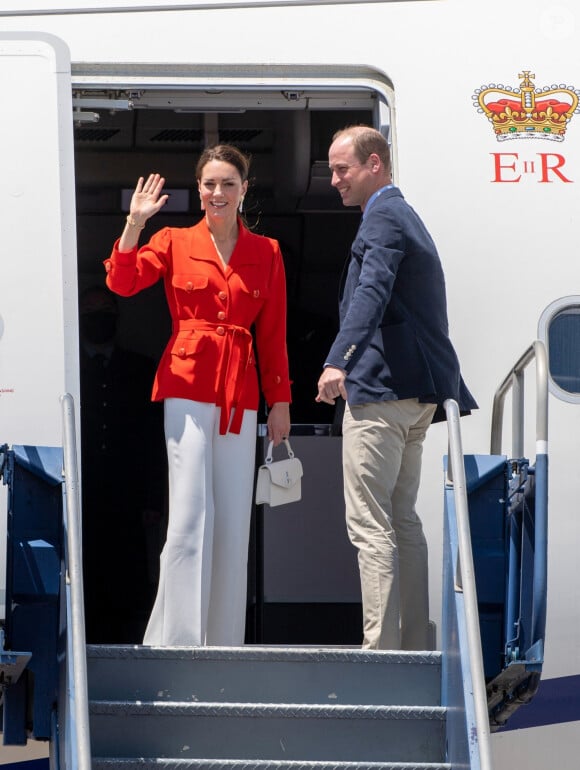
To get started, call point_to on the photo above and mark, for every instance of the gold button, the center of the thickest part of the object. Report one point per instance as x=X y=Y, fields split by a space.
x=221 y=315
x=189 y=286
x=222 y=295
x=256 y=293
x=181 y=352
x=278 y=379
x=220 y=330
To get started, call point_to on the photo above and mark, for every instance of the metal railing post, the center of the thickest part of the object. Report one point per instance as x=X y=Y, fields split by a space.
x=464 y=580
x=518 y=414
x=536 y=352
x=76 y=623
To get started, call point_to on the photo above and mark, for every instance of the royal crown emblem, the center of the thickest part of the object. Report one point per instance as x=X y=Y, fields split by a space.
x=528 y=112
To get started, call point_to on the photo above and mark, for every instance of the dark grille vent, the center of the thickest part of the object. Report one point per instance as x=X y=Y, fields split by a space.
x=239 y=134
x=229 y=135
x=178 y=135
x=95 y=134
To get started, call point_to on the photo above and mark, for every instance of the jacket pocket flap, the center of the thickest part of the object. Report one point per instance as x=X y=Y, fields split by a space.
x=254 y=287
x=189 y=282
x=188 y=344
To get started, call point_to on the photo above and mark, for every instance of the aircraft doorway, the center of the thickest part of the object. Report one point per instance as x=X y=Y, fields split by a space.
x=292 y=596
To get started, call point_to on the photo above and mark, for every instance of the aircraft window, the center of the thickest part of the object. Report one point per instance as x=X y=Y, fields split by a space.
x=559 y=330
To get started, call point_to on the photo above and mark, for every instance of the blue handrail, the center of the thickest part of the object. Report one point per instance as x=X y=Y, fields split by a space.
x=514 y=381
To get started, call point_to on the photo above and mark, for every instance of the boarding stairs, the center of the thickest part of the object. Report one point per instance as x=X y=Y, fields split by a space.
x=257 y=707
x=116 y=706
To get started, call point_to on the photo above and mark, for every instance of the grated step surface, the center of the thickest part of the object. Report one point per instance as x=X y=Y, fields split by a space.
x=241 y=731
x=116 y=763
x=264 y=675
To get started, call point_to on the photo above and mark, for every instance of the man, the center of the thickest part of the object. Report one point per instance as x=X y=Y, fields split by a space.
x=393 y=363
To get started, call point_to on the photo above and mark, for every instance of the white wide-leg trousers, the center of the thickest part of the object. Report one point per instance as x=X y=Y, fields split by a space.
x=201 y=598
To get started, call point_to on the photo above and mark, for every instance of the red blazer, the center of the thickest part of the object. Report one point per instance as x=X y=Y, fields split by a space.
x=210 y=356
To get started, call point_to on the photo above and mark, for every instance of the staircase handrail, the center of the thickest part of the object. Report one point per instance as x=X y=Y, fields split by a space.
x=464 y=578
x=514 y=380
x=76 y=641
x=536 y=351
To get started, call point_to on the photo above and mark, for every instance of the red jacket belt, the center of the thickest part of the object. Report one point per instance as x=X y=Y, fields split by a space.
x=236 y=355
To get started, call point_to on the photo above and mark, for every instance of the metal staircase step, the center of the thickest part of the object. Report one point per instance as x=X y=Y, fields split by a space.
x=264 y=675
x=116 y=763
x=241 y=731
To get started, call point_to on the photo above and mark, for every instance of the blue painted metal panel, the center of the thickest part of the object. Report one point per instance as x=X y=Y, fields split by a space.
x=487 y=499
x=36 y=570
x=30 y=764
x=34 y=558
x=44 y=462
x=479 y=469
x=507 y=502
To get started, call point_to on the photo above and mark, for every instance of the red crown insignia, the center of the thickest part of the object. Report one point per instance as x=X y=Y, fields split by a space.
x=528 y=112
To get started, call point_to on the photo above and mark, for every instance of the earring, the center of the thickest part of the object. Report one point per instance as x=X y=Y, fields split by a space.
x=241 y=206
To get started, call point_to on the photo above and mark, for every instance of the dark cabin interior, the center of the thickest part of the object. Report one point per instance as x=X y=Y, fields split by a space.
x=303 y=579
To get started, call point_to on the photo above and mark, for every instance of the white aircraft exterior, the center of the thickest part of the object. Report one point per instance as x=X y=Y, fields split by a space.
x=502 y=204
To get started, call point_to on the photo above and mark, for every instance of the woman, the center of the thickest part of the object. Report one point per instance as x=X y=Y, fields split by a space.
x=220 y=280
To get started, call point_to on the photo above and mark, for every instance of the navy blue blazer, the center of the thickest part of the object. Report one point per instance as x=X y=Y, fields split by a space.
x=394 y=336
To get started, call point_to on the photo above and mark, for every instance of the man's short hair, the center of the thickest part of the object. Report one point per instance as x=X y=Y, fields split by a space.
x=366 y=141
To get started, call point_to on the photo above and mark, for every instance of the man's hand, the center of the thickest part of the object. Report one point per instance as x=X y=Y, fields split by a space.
x=331 y=385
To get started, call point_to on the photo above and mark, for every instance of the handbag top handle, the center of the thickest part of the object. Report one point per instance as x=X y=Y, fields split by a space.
x=268 y=458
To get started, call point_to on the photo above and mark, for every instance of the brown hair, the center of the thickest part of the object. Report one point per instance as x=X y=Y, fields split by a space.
x=226 y=153
x=366 y=141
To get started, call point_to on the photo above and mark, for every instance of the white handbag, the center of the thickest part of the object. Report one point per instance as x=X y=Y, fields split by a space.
x=279 y=481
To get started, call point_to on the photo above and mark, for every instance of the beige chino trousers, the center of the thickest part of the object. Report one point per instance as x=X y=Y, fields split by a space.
x=382 y=449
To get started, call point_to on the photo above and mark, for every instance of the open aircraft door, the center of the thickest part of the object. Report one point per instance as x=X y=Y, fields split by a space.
x=38 y=284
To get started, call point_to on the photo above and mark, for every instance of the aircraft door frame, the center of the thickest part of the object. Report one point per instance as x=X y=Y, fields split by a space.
x=38 y=291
